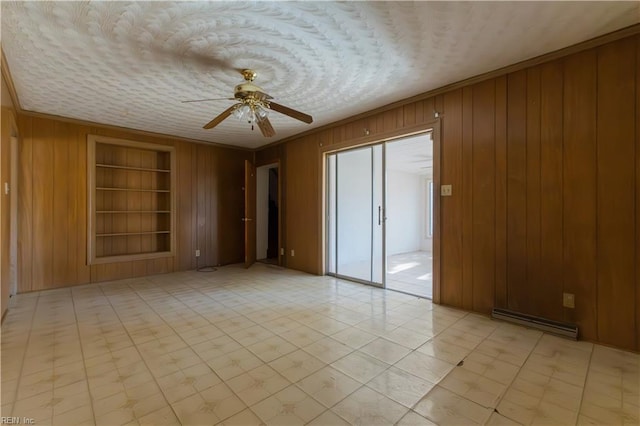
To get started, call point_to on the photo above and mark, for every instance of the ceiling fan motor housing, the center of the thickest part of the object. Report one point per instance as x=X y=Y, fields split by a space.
x=245 y=89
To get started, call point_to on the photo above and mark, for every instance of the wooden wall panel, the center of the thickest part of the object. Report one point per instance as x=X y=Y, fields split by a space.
x=302 y=182
x=466 y=190
x=53 y=205
x=517 y=191
x=616 y=266
x=533 y=299
x=207 y=210
x=43 y=141
x=551 y=118
x=532 y=163
x=637 y=207
x=483 y=185
x=451 y=207
x=501 y=192
x=63 y=265
x=25 y=206
x=186 y=219
x=579 y=190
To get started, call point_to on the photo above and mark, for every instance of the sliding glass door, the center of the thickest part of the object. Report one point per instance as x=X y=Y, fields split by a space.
x=355 y=214
x=380 y=214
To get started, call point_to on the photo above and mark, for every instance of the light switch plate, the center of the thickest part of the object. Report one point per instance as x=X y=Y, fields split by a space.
x=445 y=190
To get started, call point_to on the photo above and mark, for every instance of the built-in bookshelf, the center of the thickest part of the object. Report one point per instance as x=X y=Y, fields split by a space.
x=131 y=200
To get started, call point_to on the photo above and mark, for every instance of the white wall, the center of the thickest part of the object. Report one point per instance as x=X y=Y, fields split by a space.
x=405 y=218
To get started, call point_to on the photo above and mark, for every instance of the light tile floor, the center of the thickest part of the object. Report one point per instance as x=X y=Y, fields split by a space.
x=279 y=347
x=411 y=273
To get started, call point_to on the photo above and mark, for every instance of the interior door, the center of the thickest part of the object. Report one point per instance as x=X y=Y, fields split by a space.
x=249 y=214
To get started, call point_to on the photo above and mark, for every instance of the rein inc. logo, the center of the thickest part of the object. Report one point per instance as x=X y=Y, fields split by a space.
x=17 y=421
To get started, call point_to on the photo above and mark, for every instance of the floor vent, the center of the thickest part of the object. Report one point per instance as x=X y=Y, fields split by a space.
x=554 y=327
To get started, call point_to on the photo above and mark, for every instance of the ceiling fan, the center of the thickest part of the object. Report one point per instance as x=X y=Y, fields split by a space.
x=253 y=106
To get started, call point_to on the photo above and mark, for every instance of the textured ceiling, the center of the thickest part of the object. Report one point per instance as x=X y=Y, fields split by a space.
x=132 y=63
x=412 y=154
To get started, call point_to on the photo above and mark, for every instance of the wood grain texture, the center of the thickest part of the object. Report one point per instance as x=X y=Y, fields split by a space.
x=501 y=192
x=230 y=208
x=185 y=220
x=637 y=206
x=551 y=122
x=466 y=190
x=43 y=198
x=483 y=196
x=616 y=268
x=532 y=299
x=25 y=207
x=53 y=205
x=302 y=187
x=517 y=191
x=63 y=265
x=579 y=190
x=451 y=207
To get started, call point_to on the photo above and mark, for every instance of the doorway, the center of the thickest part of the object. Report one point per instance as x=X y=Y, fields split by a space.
x=267 y=214
x=380 y=214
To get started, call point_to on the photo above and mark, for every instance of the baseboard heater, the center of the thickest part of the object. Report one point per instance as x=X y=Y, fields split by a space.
x=554 y=327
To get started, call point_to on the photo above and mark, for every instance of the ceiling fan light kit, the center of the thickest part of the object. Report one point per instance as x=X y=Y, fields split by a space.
x=254 y=106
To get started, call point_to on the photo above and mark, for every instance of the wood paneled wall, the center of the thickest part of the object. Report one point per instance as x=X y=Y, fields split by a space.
x=8 y=128
x=53 y=206
x=545 y=168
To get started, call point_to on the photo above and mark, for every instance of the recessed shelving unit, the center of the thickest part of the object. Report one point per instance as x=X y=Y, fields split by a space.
x=131 y=200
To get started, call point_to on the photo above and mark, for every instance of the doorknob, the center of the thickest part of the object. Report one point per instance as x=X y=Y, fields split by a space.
x=246 y=219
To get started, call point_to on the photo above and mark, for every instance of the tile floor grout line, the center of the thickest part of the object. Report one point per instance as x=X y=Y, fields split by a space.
x=26 y=347
x=84 y=364
x=212 y=370
x=584 y=383
x=518 y=373
x=135 y=345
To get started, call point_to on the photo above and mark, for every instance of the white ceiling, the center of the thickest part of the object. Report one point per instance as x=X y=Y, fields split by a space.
x=132 y=63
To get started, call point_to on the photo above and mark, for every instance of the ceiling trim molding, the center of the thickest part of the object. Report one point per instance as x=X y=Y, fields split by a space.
x=547 y=57
x=6 y=74
x=132 y=131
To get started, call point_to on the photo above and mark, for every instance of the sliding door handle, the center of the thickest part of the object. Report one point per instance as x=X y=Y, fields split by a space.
x=379 y=215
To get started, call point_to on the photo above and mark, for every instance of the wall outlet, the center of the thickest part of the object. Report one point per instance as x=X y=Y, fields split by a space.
x=568 y=300
x=445 y=190
x=282 y=251
x=197 y=253
x=293 y=253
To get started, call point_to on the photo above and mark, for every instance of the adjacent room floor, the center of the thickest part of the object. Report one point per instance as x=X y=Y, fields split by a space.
x=411 y=273
x=274 y=346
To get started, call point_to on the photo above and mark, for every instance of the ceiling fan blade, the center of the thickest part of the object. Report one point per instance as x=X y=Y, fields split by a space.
x=213 y=123
x=205 y=100
x=265 y=126
x=291 y=112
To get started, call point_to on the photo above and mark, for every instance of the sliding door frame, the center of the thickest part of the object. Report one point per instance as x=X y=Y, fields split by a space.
x=432 y=126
